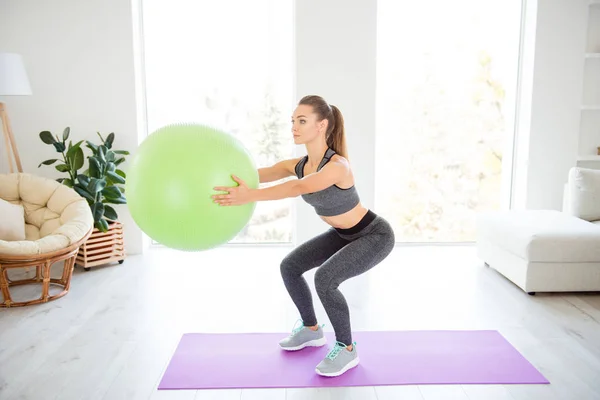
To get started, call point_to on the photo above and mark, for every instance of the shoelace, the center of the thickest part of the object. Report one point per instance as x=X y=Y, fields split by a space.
x=298 y=329
x=333 y=353
x=339 y=346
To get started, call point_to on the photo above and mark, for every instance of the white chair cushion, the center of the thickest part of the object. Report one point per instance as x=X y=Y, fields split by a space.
x=542 y=235
x=55 y=216
x=12 y=222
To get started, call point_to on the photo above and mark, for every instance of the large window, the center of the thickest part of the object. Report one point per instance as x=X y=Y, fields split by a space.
x=227 y=64
x=446 y=79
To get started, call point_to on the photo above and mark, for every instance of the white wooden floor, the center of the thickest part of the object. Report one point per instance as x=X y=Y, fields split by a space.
x=113 y=335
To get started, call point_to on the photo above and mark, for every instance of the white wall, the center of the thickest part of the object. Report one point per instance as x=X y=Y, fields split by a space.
x=551 y=78
x=335 y=58
x=81 y=55
x=79 y=58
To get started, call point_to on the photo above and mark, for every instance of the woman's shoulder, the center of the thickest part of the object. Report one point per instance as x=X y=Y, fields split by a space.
x=342 y=164
x=337 y=158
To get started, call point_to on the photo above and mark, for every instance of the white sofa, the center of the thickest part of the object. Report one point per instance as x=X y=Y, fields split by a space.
x=548 y=250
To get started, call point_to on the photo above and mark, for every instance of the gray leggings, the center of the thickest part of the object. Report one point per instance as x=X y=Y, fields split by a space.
x=341 y=254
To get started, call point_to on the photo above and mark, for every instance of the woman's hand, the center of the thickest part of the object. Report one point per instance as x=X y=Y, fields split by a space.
x=235 y=196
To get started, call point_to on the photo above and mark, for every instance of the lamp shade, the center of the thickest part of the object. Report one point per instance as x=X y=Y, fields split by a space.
x=13 y=77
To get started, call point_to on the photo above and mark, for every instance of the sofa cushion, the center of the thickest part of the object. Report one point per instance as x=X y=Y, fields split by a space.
x=584 y=193
x=542 y=235
x=12 y=223
x=55 y=216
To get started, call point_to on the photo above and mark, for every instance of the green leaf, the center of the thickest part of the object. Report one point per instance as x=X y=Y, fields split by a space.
x=77 y=160
x=97 y=211
x=123 y=152
x=47 y=137
x=122 y=173
x=102 y=153
x=83 y=192
x=110 y=213
x=110 y=166
x=95 y=167
x=116 y=178
x=109 y=140
x=120 y=200
x=73 y=148
x=102 y=225
x=66 y=133
x=74 y=158
x=119 y=161
x=113 y=195
x=112 y=192
x=60 y=180
x=47 y=162
x=62 y=167
x=59 y=146
x=96 y=185
x=110 y=156
x=68 y=182
x=83 y=180
x=100 y=136
x=92 y=147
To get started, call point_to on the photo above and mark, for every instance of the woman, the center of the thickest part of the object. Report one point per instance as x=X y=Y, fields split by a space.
x=357 y=240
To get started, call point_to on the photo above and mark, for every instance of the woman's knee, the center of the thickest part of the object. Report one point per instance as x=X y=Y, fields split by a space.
x=387 y=230
x=323 y=283
x=388 y=238
x=288 y=266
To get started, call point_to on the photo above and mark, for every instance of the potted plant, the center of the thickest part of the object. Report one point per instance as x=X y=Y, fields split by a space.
x=101 y=184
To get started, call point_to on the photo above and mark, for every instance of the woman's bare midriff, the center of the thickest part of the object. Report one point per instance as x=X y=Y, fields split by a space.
x=348 y=219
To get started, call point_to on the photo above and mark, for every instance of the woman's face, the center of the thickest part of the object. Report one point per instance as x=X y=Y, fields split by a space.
x=305 y=126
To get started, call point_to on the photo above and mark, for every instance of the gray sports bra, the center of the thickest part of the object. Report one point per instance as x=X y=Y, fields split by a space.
x=332 y=200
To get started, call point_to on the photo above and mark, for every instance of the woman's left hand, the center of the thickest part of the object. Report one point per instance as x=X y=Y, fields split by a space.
x=235 y=196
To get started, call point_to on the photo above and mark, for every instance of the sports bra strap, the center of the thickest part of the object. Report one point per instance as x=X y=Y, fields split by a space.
x=300 y=165
x=328 y=154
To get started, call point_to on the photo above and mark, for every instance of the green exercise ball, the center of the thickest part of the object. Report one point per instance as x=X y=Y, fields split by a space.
x=172 y=177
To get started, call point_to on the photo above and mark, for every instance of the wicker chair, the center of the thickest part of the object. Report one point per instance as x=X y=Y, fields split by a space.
x=57 y=221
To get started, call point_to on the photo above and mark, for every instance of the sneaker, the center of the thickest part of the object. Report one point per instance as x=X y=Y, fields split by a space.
x=338 y=361
x=302 y=337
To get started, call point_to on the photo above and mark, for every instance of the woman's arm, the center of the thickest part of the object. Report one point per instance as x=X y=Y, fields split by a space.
x=278 y=171
x=332 y=173
x=329 y=175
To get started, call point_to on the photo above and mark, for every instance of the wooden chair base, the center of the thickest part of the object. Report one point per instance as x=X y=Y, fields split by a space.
x=43 y=264
x=42 y=275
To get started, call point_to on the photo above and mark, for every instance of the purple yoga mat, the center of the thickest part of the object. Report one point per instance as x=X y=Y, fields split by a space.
x=254 y=360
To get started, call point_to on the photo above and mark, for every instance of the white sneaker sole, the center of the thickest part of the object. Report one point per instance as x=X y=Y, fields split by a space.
x=348 y=366
x=310 y=343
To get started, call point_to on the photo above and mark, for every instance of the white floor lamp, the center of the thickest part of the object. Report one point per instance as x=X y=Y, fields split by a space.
x=13 y=82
